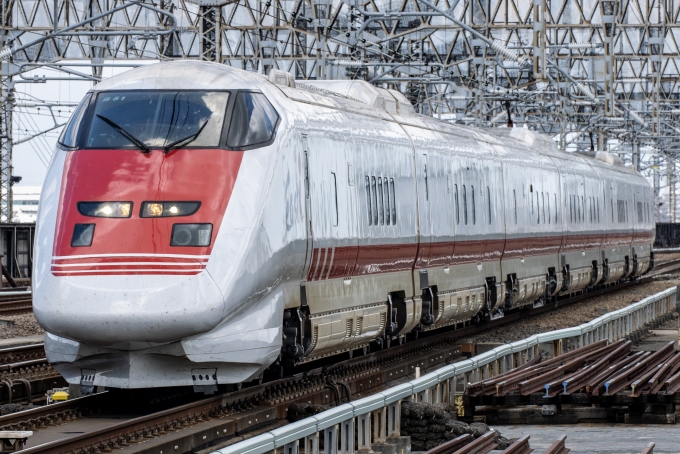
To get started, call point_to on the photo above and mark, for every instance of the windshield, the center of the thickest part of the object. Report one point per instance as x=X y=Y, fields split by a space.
x=157 y=118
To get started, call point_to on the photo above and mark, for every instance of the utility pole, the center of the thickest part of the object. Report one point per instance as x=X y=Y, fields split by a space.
x=7 y=99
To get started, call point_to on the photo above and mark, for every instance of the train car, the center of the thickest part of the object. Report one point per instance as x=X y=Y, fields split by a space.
x=200 y=224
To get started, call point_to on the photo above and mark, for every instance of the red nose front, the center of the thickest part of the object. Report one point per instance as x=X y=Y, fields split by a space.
x=140 y=245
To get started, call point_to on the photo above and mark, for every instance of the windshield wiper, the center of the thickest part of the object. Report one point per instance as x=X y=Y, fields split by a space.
x=187 y=140
x=127 y=135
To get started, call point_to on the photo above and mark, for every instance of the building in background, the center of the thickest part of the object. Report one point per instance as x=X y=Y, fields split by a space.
x=25 y=205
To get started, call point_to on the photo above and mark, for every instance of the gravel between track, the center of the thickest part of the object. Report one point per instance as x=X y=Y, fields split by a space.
x=24 y=325
x=575 y=314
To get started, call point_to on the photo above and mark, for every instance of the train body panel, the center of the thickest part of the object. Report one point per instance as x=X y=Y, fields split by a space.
x=338 y=218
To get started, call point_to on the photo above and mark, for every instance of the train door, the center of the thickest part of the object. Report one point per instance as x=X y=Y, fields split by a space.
x=516 y=219
x=436 y=231
x=424 y=182
x=333 y=235
x=331 y=209
x=308 y=208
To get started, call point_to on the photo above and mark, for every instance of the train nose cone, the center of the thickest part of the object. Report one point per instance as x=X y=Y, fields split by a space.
x=128 y=309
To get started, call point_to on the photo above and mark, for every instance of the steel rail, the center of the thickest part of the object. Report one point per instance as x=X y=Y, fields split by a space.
x=570 y=367
x=615 y=384
x=578 y=381
x=521 y=446
x=22 y=353
x=558 y=447
x=452 y=445
x=482 y=445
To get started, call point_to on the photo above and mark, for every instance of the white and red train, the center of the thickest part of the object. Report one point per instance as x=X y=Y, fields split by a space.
x=199 y=223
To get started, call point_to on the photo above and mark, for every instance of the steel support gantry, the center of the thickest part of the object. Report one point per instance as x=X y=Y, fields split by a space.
x=594 y=74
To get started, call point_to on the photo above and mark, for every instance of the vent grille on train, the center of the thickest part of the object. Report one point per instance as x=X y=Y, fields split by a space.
x=383 y=319
x=315 y=339
x=360 y=323
x=348 y=328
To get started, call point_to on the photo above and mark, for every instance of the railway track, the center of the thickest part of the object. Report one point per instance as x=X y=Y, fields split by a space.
x=25 y=375
x=235 y=413
x=16 y=301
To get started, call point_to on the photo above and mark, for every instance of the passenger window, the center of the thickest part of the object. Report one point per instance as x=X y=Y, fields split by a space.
x=334 y=188
x=556 y=206
x=639 y=211
x=387 y=202
x=374 y=201
x=538 y=210
x=514 y=204
x=253 y=121
x=465 y=210
x=455 y=195
x=620 y=208
x=548 y=208
x=474 y=214
x=543 y=205
x=368 y=200
x=381 y=206
x=488 y=202
x=571 y=209
x=647 y=211
x=394 y=203
x=427 y=196
x=69 y=136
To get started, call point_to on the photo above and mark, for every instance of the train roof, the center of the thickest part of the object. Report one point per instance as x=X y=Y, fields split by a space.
x=182 y=75
x=352 y=95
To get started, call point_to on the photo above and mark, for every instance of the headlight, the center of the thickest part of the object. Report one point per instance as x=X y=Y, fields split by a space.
x=82 y=235
x=105 y=209
x=167 y=209
x=191 y=235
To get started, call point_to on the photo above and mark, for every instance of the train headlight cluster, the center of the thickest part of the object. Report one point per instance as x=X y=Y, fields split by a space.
x=167 y=209
x=191 y=235
x=105 y=209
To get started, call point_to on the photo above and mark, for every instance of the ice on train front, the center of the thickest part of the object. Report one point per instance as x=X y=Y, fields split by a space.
x=133 y=202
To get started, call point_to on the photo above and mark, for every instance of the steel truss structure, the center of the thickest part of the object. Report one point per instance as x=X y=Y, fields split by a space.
x=594 y=74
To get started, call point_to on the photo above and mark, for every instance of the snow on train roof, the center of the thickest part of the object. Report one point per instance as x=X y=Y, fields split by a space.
x=182 y=75
x=201 y=75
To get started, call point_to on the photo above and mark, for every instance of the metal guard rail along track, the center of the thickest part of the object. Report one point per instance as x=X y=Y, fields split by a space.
x=338 y=424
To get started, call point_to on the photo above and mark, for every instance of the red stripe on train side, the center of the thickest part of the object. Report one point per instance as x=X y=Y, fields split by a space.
x=376 y=259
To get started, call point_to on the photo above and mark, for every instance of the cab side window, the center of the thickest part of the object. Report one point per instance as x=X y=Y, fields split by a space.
x=253 y=121
x=69 y=136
